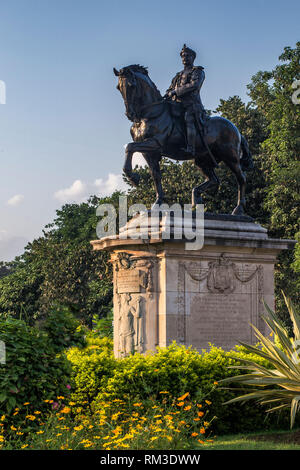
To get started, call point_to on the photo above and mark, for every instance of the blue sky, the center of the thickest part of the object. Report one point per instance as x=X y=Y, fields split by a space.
x=63 y=128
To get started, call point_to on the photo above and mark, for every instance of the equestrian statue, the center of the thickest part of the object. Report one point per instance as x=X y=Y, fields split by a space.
x=177 y=126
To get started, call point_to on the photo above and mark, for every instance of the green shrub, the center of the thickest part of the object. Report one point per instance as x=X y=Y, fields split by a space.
x=103 y=327
x=91 y=368
x=97 y=376
x=33 y=370
x=63 y=329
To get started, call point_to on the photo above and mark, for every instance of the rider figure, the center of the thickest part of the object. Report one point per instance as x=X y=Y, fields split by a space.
x=185 y=89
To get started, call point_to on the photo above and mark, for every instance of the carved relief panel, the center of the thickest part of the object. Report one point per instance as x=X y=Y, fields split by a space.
x=217 y=300
x=133 y=293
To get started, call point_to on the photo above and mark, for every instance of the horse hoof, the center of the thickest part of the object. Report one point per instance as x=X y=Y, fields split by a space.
x=196 y=200
x=239 y=210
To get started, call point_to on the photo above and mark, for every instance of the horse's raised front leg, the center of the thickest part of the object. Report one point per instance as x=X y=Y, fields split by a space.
x=211 y=181
x=146 y=146
x=153 y=160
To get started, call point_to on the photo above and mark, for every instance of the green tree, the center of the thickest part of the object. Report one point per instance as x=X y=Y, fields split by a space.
x=271 y=93
x=61 y=267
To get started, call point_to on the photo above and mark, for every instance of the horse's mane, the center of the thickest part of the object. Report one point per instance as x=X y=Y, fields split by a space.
x=135 y=68
x=140 y=69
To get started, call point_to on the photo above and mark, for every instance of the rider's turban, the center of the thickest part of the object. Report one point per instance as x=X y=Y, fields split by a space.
x=187 y=49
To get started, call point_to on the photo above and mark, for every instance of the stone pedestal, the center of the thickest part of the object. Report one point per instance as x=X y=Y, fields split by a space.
x=164 y=292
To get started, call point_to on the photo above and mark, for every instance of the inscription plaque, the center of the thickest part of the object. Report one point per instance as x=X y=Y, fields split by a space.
x=221 y=320
x=128 y=281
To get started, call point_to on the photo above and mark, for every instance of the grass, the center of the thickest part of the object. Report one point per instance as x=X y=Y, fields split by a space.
x=254 y=441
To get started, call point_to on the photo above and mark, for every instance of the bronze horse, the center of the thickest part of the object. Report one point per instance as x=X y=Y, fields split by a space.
x=158 y=130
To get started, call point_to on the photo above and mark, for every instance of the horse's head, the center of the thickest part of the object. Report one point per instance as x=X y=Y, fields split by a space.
x=136 y=89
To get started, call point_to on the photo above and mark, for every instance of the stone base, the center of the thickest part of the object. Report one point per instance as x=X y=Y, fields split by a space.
x=164 y=292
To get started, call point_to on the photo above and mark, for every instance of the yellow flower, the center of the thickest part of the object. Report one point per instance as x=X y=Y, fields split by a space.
x=66 y=410
x=137 y=404
x=19 y=433
x=187 y=408
x=78 y=428
x=31 y=417
x=153 y=438
x=88 y=444
x=183 y=396
x=2 y=418
x=202 y=431
x=60 y=398
x=200 y=414
x=201 y=442
x=24 y=446
x=199 y=406
x=40 y=432
x=27 y=403
x=215 y=382
x=71 y=403
x=13 y=428
x=170 y=438
x=37 y=412
x=164 y=391
x=194 y=434
x=206 y=423
x=180 y=403
x=208 y=402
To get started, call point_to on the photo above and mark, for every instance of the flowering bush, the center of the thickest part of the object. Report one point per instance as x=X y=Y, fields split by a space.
x=97 y=377
x=168 y=423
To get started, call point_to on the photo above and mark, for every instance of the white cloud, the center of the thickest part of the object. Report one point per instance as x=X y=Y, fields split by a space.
x=80 y=191
x=111 y=184
x=74 y=193
x=15 y=200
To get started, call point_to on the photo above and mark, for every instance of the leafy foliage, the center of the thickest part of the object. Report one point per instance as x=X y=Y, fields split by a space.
x=63 y=329
x=33 y=371
x=91 y=368
x=61 y=267
x=98 y=377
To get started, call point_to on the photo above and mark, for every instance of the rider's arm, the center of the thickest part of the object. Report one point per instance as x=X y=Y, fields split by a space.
x=172 y=86
x=196 y=82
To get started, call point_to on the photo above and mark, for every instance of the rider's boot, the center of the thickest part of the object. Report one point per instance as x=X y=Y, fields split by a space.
x=191 y=141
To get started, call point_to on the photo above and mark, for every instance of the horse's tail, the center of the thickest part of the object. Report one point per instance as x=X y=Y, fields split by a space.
x=246 y=158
